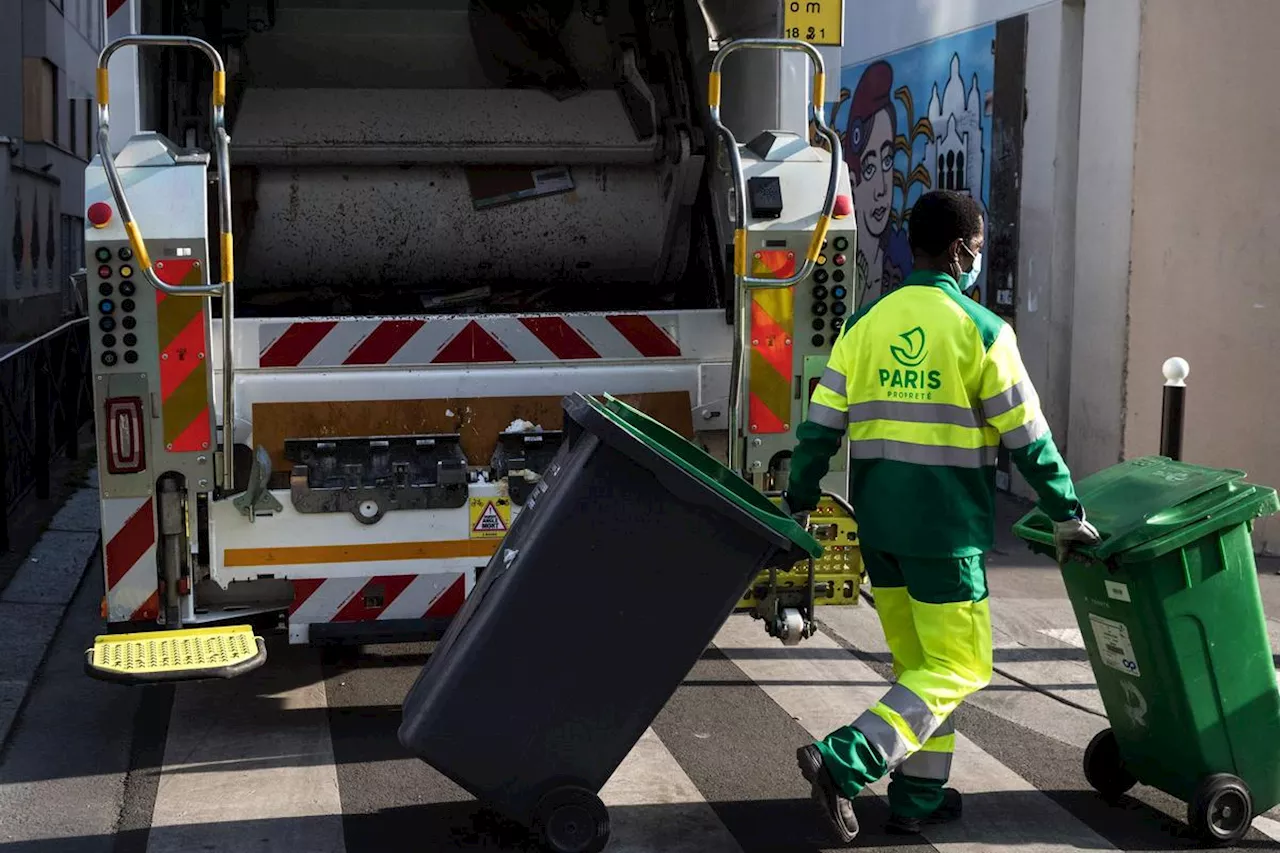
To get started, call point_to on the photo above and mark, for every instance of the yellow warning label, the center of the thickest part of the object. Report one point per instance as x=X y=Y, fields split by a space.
x=490 y=517
x=814 y=21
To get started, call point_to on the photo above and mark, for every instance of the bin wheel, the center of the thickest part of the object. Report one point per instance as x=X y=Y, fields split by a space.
x=572 y=820
x=1221 y=810
x=1104 y=767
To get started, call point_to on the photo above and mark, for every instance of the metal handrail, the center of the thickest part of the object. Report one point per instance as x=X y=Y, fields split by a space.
x=225 y=288
x=743 y=283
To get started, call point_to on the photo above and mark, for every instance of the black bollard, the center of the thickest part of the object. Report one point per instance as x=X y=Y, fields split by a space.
x=1171 y=418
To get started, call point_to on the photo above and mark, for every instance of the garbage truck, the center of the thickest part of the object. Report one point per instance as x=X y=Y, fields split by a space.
x=345 y=258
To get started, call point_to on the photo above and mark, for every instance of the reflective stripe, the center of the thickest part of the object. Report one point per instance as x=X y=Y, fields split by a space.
x=913 y=711
x=934 y=766
x=883 y=737
x=920 y=413
x=921 y=454
x=827 y=416
x=1025 y=434
x=948 y=727
x=1007 y=400
x=834 y=381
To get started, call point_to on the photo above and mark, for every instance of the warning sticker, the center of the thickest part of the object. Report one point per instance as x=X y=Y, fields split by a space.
x=1114 y=646
x=490 y=517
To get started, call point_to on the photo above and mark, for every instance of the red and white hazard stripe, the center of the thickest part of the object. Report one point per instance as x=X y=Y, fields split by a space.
x=129 y=558
x=499 y=339
x=381 y=597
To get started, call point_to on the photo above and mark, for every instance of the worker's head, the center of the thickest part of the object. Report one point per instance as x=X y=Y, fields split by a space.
x=945 y=231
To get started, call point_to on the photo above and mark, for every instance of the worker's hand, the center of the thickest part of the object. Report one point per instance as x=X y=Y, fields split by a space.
x=800 y=517
x=1073 y=532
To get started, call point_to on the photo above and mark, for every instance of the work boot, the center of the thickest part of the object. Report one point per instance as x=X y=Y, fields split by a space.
x=949 y=810
x=835 y=805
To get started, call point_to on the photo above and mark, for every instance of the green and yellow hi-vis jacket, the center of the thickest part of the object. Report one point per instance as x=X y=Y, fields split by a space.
x=927 y=383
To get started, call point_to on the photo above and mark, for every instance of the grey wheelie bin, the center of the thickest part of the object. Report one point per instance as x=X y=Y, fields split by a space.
x=613 y=579
x=1169 y=607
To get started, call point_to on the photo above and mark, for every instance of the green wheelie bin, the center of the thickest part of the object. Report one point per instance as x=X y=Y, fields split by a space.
x=1170 y=611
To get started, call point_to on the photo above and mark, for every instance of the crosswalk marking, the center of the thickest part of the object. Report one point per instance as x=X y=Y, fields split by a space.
x=245 y=759
x=669 y=814
x=824 y=689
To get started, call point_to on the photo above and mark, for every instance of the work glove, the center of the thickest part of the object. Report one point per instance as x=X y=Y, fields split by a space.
x=800 y=517
x=1073 y=532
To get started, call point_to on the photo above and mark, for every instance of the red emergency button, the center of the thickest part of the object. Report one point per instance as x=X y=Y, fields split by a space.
x=839 y=260
x=99 y=214
x=843 y=207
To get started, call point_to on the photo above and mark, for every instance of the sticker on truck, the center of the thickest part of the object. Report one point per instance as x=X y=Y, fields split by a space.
x=1114 y=645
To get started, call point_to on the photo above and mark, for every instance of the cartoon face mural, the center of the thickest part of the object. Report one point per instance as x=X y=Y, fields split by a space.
x=895 y=156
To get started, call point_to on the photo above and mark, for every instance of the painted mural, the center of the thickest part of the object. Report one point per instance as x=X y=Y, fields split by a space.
x=913 y=121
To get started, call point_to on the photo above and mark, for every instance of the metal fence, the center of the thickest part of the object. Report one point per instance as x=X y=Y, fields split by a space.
x=45 y=399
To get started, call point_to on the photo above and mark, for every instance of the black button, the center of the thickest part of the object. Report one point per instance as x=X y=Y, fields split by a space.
x=819 y=324
x=836 y=323
x=838 y=275
x=105 y=288
x=836 y=292
x=108 y=341
x=818 y=340
x=104 y=271
x=128 y=288
x=129 y=322
x=109 y=358
x=131 y=356
x=819 y=292
x=819 y=309
x=125 y=253
x=107 y=324
x=106 y=306
x=131 y=340
x=103 y=254
x=838 y=309
x=127 y=305
x=842 y=243
x=820 y=276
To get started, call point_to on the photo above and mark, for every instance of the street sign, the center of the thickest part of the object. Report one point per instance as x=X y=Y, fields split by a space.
x=814 y=21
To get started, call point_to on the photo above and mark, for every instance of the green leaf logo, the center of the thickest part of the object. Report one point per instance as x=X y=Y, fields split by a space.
x=914 y=352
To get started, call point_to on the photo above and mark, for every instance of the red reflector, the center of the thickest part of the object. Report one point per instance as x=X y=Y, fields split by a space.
x=843 y=207
x=99 y=214
x=126 y=453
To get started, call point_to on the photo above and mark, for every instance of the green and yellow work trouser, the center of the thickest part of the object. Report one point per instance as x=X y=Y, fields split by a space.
x=937 y=622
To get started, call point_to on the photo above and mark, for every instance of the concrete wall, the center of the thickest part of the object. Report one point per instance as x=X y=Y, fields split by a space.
x=1104 y=201
x=1206 y=235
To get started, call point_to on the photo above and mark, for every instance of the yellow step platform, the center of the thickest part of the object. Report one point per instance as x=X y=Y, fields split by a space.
x=187 y=654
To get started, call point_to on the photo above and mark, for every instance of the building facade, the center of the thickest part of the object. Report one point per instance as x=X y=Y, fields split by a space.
x=1126 y=224
x=48 y=121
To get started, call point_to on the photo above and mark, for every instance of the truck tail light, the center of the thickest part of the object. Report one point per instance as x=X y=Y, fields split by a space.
x=126 y=453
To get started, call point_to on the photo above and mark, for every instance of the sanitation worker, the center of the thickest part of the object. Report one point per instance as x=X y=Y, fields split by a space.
x=927 y=384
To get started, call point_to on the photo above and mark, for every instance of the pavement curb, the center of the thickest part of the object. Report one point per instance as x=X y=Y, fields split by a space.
x=36 y=600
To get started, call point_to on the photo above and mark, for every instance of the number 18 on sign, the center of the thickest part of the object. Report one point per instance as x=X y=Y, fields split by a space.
x=814 y=21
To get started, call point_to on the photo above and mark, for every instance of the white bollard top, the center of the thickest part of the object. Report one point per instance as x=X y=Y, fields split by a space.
x=1175 y=372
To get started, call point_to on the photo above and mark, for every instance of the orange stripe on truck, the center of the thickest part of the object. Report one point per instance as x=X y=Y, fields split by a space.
x=312 y=554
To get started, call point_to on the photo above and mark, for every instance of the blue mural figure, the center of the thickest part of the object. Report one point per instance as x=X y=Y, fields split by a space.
x=895 y=156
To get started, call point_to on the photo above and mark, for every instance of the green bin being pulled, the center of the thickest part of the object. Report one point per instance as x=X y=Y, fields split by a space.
x=1169 y=607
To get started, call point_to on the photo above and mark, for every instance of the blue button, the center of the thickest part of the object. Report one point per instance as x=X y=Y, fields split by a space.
x=838 y=292
x=106 y=306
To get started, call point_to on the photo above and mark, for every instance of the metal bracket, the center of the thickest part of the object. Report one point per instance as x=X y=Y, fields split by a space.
x=521 y=457
x=257 y=498
x=371 y=476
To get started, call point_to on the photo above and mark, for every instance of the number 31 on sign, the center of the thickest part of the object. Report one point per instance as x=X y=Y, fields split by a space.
x=814 y=21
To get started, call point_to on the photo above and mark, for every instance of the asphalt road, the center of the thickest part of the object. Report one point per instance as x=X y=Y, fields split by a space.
x=302 y=755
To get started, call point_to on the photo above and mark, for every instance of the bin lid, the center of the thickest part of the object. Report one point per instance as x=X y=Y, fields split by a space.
x=1141 y=500
x=702 y=466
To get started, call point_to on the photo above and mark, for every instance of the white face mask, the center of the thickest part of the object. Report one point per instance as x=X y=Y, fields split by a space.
x=970 y=278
